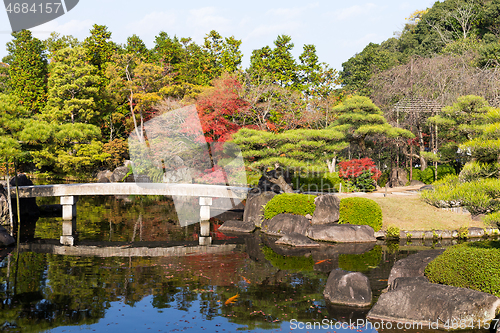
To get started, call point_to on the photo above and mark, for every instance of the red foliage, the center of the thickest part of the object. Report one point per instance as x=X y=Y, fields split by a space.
x=352 y=169
x=219 y=110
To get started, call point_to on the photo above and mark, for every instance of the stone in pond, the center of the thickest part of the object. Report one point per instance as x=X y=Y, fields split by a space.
x=295 y=239
x=327 y=209
x=348 y=288
x=237 y=226
x=434 y=305
x=413 y=265
x=254 y=211
x=283 y=224
x=341 y=233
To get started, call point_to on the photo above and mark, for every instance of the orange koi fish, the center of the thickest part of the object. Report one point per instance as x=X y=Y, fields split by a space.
x=231 y=300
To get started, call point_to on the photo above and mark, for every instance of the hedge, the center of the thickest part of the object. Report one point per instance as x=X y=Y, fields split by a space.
x=361 y=211
x=291 y=203
x=469 y=265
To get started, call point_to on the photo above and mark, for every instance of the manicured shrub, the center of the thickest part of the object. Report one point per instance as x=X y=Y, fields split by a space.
x=474 y=170
x=469 y=265
x=289 y=263
x=361 y=211
x=393 y=232
x=361 y=262
x=492 y=219
x=291 y=203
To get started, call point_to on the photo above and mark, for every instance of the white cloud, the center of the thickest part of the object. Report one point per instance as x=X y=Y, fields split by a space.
x=153 y=23
x=272 y=31
x=207 y=18
x=73 y=27
x=290 y=13
x=353 y=12
x=362 y=41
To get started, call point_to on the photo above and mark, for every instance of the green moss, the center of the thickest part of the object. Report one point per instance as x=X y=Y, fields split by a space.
x=469 y=265
x=361 y=211
x=361 y=262
x=291 y=203
x=289 y=263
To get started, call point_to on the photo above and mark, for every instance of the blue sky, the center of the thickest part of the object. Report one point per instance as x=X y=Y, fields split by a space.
x=339 y=29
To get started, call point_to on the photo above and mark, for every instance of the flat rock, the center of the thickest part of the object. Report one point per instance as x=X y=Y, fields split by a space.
x=476 y=232
x=415 y=300
x=413 y=265
x=295 y=239
x=283 y=224
x=327 y=209
x=348 y=288
x=341 y=233
x=254 y=208
x=237 y=226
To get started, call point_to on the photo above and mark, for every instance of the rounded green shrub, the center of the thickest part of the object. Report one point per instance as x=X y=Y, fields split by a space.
x=468 y=265
x=291 y=203
x=360 y=211
x=393 y=232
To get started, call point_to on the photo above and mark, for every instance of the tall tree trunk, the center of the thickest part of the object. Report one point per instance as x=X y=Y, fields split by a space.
x=423 y=162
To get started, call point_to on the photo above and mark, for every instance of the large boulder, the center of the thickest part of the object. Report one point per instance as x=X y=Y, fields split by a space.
x=182 y=175
x=398 y=177
x=4 y=205
x=413 y=265
x=5 y=238
x=120 y=175
x=341 y=233
x=27 y=206
x=104 y=176
x=254 y=208
x=298 y=240
x=237 y=226
x=434 y=306
x=348 y=288
x=283 y=224
x=327 y=209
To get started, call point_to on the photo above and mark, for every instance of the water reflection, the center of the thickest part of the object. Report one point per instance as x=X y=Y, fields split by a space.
x=136 y=269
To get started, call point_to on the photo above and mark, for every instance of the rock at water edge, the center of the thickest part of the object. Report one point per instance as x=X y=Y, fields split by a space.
x=327 y=209
x=348 y=288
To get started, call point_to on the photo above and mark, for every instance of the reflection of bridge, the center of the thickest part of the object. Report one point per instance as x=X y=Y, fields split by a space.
x=69 y=196
x=128 y=251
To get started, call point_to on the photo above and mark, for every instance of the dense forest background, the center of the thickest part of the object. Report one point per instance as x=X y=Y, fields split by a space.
x=68 y=106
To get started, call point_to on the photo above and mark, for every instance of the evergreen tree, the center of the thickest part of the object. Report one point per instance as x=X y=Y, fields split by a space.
x=301 y=148
x=28 y=70
x=358 y=118
x=73 y=87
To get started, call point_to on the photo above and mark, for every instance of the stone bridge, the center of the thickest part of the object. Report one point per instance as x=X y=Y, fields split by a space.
x=69 y=194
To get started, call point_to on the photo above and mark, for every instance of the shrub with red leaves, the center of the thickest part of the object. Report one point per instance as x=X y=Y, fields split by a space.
x=360 y=174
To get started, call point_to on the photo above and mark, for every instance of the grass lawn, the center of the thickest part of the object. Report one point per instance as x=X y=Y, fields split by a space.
x=411 y=213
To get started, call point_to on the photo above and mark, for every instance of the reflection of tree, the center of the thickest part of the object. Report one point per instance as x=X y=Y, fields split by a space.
x=110 y=219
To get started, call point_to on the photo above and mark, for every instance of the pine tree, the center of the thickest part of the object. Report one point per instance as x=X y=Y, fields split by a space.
x=72 y=88
x=358 y=118
x=28 y=70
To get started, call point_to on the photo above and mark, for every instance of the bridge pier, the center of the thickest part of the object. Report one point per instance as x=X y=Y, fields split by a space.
x=69 y=207
x=68 y=232
x=69 y=219
x=204 y=238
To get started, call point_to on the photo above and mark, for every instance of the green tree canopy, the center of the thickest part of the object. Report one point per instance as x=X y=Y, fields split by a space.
x=28 y=70
x=358 y=118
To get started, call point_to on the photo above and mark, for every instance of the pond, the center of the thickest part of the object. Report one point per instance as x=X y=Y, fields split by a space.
x=135 y=270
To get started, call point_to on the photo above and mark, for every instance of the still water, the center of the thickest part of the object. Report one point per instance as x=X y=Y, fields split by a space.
x=136 y=270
